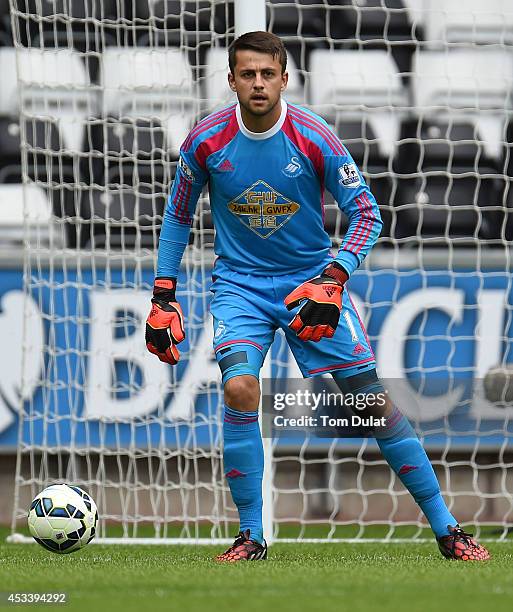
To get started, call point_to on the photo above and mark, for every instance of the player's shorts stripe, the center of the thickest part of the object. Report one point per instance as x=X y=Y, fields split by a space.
x=234 y=421
x=334 y=143
x=341 y=366
x=207 y=125
x=243 y=341
x=364 y=329
x=207 y=120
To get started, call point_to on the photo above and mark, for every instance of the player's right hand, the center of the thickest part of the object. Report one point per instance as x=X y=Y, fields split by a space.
x=165 y=323
x=320 y=301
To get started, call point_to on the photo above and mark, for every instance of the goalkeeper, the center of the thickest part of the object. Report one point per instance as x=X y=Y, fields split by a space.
x=267 y=164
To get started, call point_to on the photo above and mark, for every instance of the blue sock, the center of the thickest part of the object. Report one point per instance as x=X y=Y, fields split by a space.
x=244 y=467
x=406 y=456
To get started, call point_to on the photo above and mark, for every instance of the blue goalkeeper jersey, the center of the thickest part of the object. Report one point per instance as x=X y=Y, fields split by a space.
x=267 y=194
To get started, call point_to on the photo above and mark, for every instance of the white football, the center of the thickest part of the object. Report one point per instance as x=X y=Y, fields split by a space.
x=62 y=518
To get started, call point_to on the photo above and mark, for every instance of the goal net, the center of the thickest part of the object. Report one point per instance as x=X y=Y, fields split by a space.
x=106 y=91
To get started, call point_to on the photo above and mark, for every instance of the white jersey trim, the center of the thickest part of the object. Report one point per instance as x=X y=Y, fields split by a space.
x=268 y=133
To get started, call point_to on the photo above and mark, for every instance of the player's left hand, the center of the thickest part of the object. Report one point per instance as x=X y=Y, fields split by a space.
x=322 y=302
x=165 y=324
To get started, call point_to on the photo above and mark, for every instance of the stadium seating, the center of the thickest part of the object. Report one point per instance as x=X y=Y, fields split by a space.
x=506 y=218
x=194 y=25
x=472 y=21
x=431 y=145
x=417 y=17
x=452 y=147
x=380 y=20
x=45 y=159
x=473 y=83
x=84 y=23
x=215 y=87
x=13 y=215
x=55 y=83
x=46 y=149
x=133 y=217
x=449 y=152
x=123 y=148
x=55 y=101
x=295 y=92
x=5 y=24
x=447 y=188
x=9 y=89
x=335 y=222
x=127 y=159
x=168 y=22
x=159 y=84
x=10 y=152
x=352 y=83
x=303 y=18
x=202 y=233
x=362 y=95
x=375 y=24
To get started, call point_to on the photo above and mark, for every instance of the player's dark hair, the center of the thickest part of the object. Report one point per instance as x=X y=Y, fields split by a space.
x=262 y=42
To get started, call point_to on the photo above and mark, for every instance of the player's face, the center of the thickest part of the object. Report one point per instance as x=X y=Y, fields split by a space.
x=258 y=81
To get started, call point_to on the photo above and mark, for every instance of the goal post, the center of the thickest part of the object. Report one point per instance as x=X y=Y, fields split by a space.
x=104 y=92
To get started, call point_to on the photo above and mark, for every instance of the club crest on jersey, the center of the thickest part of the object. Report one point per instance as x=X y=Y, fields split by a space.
x=220 y=330
x=348 y=176
x=187 y=172
x=293 y=168
x=262 y=209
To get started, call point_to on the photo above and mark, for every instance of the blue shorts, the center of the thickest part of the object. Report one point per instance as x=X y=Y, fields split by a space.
x=247 y=311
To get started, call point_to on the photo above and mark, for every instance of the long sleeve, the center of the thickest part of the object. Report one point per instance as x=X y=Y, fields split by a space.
x=178 y=215
x=354 y=198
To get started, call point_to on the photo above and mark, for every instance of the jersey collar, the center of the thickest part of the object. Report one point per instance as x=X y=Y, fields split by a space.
x=262 y=135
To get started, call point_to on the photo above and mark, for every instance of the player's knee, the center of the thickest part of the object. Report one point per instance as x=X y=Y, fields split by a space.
x=242 y=393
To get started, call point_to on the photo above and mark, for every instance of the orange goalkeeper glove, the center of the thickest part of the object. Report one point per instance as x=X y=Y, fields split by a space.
x=322 y=302
x=165 y=325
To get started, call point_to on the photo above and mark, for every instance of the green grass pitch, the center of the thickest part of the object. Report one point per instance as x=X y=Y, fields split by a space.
x=297 y=577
